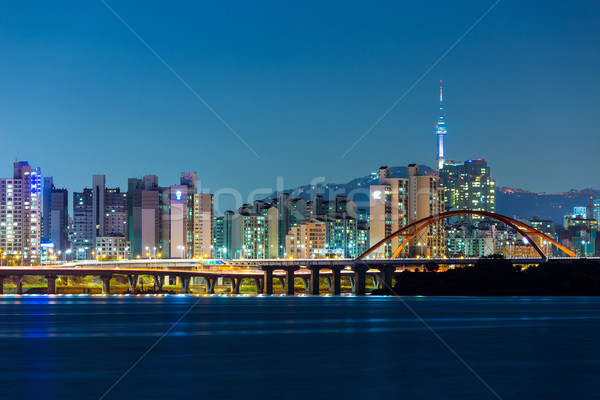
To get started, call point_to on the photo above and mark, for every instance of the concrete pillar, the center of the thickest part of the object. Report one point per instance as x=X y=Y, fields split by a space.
x=314 y=280
x=376 y=281
x=1 y=285
x=289 y=281
x=185 y=283
x=387 y=273
x=259 y=285
x=235 y=285
x=132 y=279
x=210 y=285
x=19 y=285
x=268 y=279
x=282 y=283
x=352 y=282
x=105 y=284
x=360 y=278
x=336 y=284
x=306 y=282
x=159 y=281
x=51 y=284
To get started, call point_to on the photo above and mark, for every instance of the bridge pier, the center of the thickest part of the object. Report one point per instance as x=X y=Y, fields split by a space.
x=19 y=285
x=185 y=284
x=360 y=280
x=159 y=281
x=306 y=282
x=132 y=279
x=259 y=285
x=387 y=272
x=282 y=283
x=105 y=284
x=289 y=280
x=235 y=285
x=335 y=281
x=51 y=284
x=314 y=280
x=376 y=281
x=210 y=285
x=268 y=280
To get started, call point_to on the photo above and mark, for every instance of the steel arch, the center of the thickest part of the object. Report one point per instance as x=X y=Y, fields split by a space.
x=410 y=231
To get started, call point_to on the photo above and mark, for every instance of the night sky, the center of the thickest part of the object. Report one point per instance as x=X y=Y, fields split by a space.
x=299 y=82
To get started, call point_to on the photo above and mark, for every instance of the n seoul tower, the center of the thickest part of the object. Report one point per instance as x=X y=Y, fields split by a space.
x=441 y=132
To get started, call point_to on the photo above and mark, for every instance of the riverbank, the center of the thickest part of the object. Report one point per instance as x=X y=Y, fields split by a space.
x=498 y=277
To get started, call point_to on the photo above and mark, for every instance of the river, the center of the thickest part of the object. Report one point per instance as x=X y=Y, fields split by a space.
x=276 y=347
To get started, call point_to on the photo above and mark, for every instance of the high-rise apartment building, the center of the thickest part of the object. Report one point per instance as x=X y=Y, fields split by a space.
x=271 y=214
x=20 y=214
x=97 y=212
x=172 y=222
x=203 y=215
x=347 y=233
x=219 y=240
x=144 y=215
x=388 y=210
x=307 y=240
x=249 y=238
x=55 y=215
x=180 y=201
x=397 y=202
x=469 y=186
x=425 y=198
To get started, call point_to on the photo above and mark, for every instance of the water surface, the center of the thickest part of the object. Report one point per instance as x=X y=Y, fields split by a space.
x=77 y=347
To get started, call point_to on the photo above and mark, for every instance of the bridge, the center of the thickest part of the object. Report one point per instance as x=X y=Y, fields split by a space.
x=265 y=271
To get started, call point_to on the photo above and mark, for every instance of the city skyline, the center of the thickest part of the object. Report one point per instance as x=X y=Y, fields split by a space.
x=278 y=90
x=198 y=185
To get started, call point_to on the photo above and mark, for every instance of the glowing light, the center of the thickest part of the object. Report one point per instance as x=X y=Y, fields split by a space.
x=178 y=195
x=377 y=194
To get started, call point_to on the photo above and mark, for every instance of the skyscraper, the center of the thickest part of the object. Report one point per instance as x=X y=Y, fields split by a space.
x=388 y=209
x=469 y=186
x=20 y=213
x=397 y=202
x=144 y=222
x=441 y=131
x=425 y=198
x=55 y=215
x=203 y=225
x=97 y=212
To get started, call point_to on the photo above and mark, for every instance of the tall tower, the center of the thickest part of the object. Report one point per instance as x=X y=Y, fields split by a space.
x=441 y=132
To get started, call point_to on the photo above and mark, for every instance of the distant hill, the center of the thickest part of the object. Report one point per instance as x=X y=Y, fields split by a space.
x=356 y=190
x=509 y=201
x=527 y=204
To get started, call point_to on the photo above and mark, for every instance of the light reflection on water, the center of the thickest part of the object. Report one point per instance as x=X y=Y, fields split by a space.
x=303 y=347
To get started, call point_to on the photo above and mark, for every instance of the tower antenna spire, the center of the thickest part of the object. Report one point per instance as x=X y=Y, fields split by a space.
x=441 y=132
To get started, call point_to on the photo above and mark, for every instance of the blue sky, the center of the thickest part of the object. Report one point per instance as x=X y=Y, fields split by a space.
x=299 y=82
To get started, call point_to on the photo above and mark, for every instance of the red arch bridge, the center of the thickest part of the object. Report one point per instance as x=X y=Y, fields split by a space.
x=264 y=273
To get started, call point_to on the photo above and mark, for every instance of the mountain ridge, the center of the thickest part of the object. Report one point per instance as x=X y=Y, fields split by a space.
x=513 y=202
